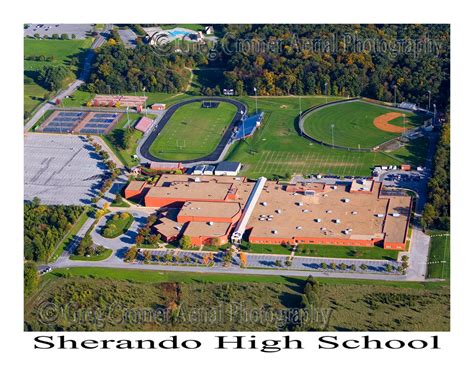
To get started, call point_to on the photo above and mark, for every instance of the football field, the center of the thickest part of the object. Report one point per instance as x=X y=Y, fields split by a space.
x=192 y=131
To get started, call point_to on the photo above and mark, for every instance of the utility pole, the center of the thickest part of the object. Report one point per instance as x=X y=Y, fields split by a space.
x=146 y=110
x=128 y=119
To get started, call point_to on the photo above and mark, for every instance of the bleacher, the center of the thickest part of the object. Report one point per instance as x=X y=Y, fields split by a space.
x=247 y=126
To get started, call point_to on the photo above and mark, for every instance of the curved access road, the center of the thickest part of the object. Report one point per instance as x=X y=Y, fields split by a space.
x=214 y=156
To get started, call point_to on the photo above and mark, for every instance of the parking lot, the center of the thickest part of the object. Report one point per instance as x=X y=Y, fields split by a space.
x=81 y=31
x=61 y=169
x=128 y=37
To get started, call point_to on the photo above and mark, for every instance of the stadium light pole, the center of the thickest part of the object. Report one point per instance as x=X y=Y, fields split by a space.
x=434 y=113
x=326 y=91
x=332 y=134
x=429 y=100
x=128 y=119
x=146 y=110
x=256 y=103
x=395 y=93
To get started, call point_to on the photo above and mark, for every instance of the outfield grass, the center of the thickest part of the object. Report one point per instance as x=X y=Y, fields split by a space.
x=440 y=257
x=353 y=124
x=192 y=131
x=61 y=52
x=277 y=149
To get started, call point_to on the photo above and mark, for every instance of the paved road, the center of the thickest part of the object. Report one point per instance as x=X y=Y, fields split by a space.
x=418 y=255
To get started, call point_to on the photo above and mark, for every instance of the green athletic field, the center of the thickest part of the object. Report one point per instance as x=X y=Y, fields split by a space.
x=353 y=124
x=276 y=149
x=192 y=132
x=439 y=258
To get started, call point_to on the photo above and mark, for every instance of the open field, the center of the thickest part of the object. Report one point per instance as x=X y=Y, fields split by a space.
x=440 y=256
x=354 y=124
x=277 y=149
x=354 y=306
x=59 y=52
x=192 y=131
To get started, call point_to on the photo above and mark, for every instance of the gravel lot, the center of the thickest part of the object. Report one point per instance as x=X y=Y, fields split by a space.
x=61 y=169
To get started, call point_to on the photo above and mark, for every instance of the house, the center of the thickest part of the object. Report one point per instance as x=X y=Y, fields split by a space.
x=208 y=30
x=228 y=168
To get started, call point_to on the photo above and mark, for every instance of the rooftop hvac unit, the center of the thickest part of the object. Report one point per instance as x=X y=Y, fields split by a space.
x=380 y=215
x=337 y=221
x=197 y=180
x=345 y=231
x=334 y=187
x=329 y=211
x=325 y=195
x=323 y=229
x=274 y=231
x=299 y=204
x=396 y=214
x=305 y=210
x=299 y=227
x=211 y=223
x=317 y=219
x=278 y=211
x=264 y=203
x=354 y=212
x=346 y=200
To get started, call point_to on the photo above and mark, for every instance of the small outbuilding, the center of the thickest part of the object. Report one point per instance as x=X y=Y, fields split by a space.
x=228 y=168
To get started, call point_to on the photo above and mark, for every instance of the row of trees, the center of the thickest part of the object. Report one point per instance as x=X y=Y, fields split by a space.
x=118 y=70
x=53 y=77
x=45 y=226
x=436 y=214
x=341 y=60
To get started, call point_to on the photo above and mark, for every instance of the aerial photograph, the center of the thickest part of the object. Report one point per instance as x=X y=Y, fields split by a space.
x=236 y=177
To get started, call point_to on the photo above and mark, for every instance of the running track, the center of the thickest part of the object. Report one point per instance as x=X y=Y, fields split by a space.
x=214 y=156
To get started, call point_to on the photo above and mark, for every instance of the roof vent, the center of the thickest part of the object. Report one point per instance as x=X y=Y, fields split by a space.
x=329 y=211
x=317 y=219
x=211 y=223
x=275 y=231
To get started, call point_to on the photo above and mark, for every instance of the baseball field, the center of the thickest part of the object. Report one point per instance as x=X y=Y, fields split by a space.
x=359 y=124
x=192 y=131
x=276 y=149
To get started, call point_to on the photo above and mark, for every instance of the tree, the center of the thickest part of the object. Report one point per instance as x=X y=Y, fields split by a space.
x=288 y=262
x=185 y=242
x=324 y=265
x=243 y=259
x=363 y=267
x=131 y=254
x=343 y=266
x=278 y=263
x=147 y=256
x=30 y=277
x=333 y=266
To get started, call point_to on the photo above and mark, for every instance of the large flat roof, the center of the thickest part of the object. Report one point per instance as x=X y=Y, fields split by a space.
x=294 y=215
x=208 y=209
x=205 y=229
x=192 y=190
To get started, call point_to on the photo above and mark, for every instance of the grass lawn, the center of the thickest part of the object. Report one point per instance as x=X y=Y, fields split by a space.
x=192 y=131
x=61 y=52
x=118 y=226
x=125 y=155
x=328 y=251
x=152 y=276
x=120 y=203
x=413 y=153
x=440 y=257
x=94 y=258
x=70 y=235
x=277 y=149
x=353 y=124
